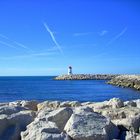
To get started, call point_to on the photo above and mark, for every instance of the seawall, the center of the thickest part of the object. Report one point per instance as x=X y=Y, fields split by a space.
x=131 y=81
x=86 y=77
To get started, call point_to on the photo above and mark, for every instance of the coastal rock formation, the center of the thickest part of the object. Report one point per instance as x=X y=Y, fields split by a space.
x=43 y=130
x=86 y=77
x=57 y=104
x=70 y=120
x=48 y=104
x=48 y=125
x=88 y=125
x=132 y=81
x=13 y=120
x=59 y=116
x=32 y=105
x=132 y=136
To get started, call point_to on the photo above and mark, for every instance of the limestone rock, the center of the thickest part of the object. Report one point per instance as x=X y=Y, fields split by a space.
x=70 y=104
x=87 y=125
x=32 y=105
x=112 y=103
x=12 y=125
x=60 y=117
x=8 y=110
x=48 y=104
x=132 y=81
x=99 y=105
x=138 y=103
x=115 y=103
x=120 y=113
x=44 y=112
x=132 y=136
x=130 y=103
x=82 y=109
x=43 y=130
x=131 y=123
x=15 y=103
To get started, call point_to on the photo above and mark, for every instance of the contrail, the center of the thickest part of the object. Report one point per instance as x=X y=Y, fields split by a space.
x=40 y=54
x=6 y=44
x=53 y=37
x=23 y=46
x=117 y=36
x=15 y=42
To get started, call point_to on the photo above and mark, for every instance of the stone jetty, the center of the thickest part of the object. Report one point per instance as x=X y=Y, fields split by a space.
x=70 y=120
x=86 y=77
x=131 y=81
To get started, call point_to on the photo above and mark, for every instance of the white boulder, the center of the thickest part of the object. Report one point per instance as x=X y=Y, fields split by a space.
x=43 y=130
x=60 y=116
x=87 y=125
x=12 y=125
x=115 y=103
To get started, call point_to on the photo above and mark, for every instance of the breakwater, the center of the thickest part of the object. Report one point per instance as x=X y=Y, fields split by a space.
x=86 y=77
x=131 y=81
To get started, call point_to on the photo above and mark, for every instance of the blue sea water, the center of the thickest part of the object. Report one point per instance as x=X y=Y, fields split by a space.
x=45 y=88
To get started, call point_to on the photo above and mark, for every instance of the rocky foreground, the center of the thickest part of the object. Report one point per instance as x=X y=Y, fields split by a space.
x=86 y=77
x=70 y=120
x=132 y=81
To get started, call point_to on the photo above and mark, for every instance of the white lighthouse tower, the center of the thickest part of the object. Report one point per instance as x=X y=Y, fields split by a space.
x=69 y=70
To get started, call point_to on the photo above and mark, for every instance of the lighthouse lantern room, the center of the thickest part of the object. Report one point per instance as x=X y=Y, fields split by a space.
x=69 y=70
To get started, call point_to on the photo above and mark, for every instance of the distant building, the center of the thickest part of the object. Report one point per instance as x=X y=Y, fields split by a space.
x=69 y=70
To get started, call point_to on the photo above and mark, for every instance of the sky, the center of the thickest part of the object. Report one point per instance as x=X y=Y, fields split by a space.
x=44 y=37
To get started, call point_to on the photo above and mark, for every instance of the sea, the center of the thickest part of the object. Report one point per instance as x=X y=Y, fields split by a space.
x=43 y=88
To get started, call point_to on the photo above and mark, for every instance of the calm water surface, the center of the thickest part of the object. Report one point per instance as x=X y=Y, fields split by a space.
x=45 y=88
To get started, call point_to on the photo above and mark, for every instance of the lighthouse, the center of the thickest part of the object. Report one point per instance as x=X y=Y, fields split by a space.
x=69 y=70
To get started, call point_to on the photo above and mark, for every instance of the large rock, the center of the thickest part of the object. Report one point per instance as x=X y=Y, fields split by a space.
x=88 y=125
x=56 y=104
x=43 y=130
x=112 y=103
x=130 y=103
x=129 y=124
x=132 y=136
x=12 y=125
x=119 y=113
x=115 y=103
x=60 y=117
x=70 y=104
x=99 y=105
x=137 y=103
x=48 y=104
x=8 y=110
x=32 y=105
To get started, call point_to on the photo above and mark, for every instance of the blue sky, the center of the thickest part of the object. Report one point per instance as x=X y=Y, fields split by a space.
x=44 y=37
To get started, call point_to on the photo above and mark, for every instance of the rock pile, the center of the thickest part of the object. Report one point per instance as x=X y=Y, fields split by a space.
x=132 y=81
x=14 y=117
x=86 y=77
x=70 y=120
